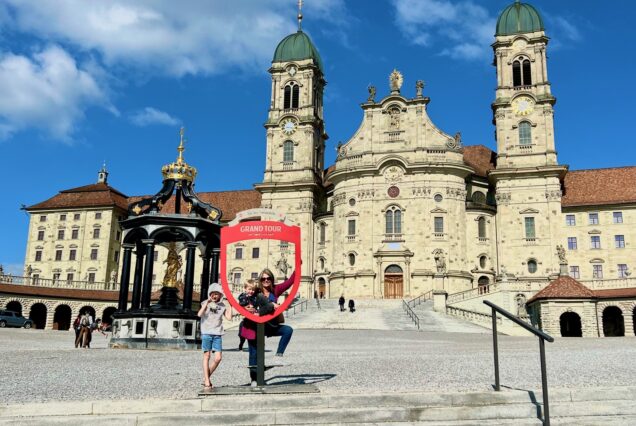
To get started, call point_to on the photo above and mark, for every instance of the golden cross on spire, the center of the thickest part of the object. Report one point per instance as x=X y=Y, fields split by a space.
x=181 y=147
x=300 y=14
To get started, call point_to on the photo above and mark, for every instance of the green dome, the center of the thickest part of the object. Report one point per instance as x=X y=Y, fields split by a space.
x=519 y=18
x=296 y=47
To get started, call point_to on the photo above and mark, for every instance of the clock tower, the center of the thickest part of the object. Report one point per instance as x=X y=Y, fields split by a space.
x=527 y=177
x=295 y=135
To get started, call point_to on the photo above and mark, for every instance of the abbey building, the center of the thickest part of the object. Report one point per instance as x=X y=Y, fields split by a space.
x=406 y=208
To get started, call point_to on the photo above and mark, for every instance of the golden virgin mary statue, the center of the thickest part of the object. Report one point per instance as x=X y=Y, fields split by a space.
x=174 y=265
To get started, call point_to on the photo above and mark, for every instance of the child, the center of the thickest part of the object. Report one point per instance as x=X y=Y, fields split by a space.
x=247 y=298
x=211 y=313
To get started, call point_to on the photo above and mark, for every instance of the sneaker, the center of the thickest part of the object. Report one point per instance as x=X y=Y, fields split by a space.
x=253 y=384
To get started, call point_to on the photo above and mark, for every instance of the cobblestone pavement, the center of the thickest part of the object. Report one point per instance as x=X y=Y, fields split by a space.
x=43 y=365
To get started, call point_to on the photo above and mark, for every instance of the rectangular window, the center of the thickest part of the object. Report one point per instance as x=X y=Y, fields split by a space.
x=76 y=216
x=352 y=227
x=597 y=271
x=525 y=133
x=40 y=235
x=94 y=254
x=116 y=256
x=530 y=231
x=254 y=275
x=69 y=277
x=284 y=246
x=238 y=254
x=593 y=218
x=438 y=222
x=237 y=278
x=618 y=217
x=595 y=242
x=575 y=272
x=570 y=220
x=619 y=241
x=91 y=277
x=72 y=254
x=38 y=255
x=56 y=276
x=58 y=255
x=96 y=233
x=42 y=218
x=62 y=217
x=117 y=235
x=98 y=215
x=60 y=234
x=622 y=270
x=255 y=252
x=572 y=243
x=155 y=255
x=74 y=234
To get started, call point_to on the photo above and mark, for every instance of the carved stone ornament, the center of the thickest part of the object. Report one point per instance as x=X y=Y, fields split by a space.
x=440 y=260
x=561 y=253
x=502 y=197
x=456 y=142
x=553 y=195
x=393 y=191
x=395 y=81
x=394 y=118
x=393 y=174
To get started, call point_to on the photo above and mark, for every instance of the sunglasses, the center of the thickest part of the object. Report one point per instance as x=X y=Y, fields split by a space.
x=266 y=278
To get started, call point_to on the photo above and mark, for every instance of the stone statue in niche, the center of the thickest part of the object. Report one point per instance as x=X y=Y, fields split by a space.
x=282 y=265
x=440 y=261
x=520 y=300
x=394 y=118
x=174 y=265
x=113 y=277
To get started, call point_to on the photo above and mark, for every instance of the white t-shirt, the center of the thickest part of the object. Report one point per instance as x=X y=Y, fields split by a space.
x=212 y=319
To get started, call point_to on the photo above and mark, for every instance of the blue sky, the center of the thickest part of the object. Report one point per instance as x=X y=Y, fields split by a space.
x=85 y=81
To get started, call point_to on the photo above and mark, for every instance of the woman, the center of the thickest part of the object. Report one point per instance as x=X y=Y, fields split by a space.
x=273 y=327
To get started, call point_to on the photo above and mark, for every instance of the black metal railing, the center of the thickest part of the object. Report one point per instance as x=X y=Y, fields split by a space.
x=419 y=299
x=301 y=306
x=411 y=313
x=542 y=338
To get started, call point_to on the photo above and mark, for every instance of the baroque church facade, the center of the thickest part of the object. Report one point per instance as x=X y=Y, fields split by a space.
x=406 y=209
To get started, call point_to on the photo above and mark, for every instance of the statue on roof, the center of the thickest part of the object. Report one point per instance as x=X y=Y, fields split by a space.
x=371 y=98
x=419 y=88
x=561 y=253
x=395 y=81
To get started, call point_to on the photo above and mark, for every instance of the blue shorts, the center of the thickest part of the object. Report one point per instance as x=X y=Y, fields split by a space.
x=211 y=342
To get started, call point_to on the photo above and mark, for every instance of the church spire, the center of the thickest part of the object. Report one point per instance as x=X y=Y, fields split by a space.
x=300 y=15
x=102 y=175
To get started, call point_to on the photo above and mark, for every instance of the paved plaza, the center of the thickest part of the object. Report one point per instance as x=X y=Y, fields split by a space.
x=43 y=366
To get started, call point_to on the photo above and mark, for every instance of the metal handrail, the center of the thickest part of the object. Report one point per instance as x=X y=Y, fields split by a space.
x=411 y=313
x=542 y=338
x=292 y=309
x=418 y=299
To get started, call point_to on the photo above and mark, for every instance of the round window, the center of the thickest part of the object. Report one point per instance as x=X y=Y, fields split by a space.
x=532 y=266
x=352 y=202
x=352 y=259
x=438 y=198
x=479 y=197
x=393 y=191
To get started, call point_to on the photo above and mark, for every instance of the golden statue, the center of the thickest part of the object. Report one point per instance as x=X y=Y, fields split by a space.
x=174 y=265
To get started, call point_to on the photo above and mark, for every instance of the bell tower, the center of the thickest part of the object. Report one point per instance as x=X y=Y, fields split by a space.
x=528 y=177
x=295 y=137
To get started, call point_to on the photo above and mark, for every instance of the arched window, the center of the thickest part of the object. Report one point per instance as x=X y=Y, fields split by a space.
x=525 y=133
x=322 y=263
x=521 y=72
x=482 y=262
x=292 y=93
x=481 y=227
x=393 y=218
x=322 y=232
x=352 y=259
x=532 y=266
x=288 y=151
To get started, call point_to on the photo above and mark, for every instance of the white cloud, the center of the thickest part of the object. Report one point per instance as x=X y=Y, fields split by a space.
x=167 y=37
x=48 y=90
x=149 y=116
x=464 y=30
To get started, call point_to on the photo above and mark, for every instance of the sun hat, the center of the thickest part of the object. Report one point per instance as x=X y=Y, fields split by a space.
x=215 y=287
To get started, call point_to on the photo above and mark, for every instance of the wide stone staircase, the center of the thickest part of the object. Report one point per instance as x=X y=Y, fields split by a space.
x=587 y=406
x=439 y=322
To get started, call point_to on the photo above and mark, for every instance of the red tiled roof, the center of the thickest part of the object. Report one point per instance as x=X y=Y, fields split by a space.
x=564 y=287
x=480 y=158
x=95 y=195
x=229 y=202
x=599 y=186
x=615 y=293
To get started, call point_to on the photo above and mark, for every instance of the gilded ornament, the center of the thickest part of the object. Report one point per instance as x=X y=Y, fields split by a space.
x=395 y=81
x=174 y=265
x=137 y=209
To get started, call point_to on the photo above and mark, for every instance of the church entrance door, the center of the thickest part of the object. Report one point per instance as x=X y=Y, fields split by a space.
x=393 y=282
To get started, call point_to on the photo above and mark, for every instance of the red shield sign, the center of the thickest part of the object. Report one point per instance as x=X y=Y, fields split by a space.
x=259 y=230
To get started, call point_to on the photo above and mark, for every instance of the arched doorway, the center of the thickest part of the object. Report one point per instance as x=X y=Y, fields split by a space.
x=322 y=288
x=15 y=306
x=107 y=315
x=613 y=322
x=482 y=284
x=90 y=310
x=62 y=318
x=393 y=282
x=570 y=325
x=38 y=315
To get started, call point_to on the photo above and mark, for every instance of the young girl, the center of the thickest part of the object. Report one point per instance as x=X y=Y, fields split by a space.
x=211 y=313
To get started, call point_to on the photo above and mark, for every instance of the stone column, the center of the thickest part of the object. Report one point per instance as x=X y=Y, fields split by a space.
x=214 y=272
x=205 y=277
x=124 y=280
x=189 y=276
x=439 y=300
x=149 y=265
x=139 y=271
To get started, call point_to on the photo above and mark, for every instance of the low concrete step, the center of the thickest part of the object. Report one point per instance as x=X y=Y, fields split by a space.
x=608 y=406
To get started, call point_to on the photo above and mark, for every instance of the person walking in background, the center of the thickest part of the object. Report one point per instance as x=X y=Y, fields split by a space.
x=352 y=306
x=341 y=302
x=77 y=328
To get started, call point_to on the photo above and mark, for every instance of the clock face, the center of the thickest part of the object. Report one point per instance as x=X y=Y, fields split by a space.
x=523 y=105
x=288 y=126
